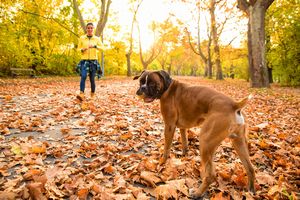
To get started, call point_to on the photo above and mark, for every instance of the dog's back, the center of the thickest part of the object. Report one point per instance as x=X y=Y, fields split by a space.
x=193 y=104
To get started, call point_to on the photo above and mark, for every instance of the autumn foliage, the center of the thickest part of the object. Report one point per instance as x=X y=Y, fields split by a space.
x=54 y=147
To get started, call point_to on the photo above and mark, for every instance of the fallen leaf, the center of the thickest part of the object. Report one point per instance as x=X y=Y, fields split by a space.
x=83 y=193
x=65 y=130
x=5 y=195
x=16 y=149
x=35 y=191
x=32 y=172
x=221 y=196
x=38 y=149
x=8 y=97
x=166 y=192
x=150 y=177
x=265 y=179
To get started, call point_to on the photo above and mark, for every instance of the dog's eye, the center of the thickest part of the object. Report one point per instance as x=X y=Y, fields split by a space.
x=142 y=82
x=152 y=84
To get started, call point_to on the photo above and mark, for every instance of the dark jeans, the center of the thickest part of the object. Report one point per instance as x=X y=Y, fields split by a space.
x=88 y=67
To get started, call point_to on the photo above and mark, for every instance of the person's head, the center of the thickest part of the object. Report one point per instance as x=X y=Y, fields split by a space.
x=90 y=28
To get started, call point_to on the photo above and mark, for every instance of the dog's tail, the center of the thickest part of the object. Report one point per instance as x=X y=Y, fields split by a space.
x=239 y=105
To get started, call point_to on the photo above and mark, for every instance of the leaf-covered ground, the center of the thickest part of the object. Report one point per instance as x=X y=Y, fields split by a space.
x=54 y=147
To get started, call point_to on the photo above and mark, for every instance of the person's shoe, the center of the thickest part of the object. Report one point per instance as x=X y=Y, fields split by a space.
x=92 y=95
x=80 y=96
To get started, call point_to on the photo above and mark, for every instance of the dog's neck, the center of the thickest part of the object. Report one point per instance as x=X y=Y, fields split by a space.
x=167 y=84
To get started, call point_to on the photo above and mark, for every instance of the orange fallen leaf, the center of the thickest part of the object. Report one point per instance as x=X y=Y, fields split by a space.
x=32 y=172
x=83 y=193
x=220 y=196
x=8 y=97
x=263 y=144
x=38 y=149
x=7 y=195
x=225 y=175
x=65 y=130
x=166 y=192
x=126 y=136
x=97 y=188
x=240 y=180
x=35 y=191
x=150 y=177
x=109 y=169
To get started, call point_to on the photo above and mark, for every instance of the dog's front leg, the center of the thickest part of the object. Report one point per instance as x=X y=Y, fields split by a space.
x=169 y=134
x=184 y=141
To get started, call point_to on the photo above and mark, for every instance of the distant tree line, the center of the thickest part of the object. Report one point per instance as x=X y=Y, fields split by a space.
x=43 y=35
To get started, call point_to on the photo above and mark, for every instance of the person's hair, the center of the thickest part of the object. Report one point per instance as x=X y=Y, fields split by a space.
x=90 y=23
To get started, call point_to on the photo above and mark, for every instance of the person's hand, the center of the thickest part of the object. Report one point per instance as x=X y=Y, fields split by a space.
x=92 y=46
x=84 y=49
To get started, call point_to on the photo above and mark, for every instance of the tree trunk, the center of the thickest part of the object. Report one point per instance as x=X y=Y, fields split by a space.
x=128 y=54
x=257 y=62
x=153 y=53
x=219 y=74
x=198 y=50
x=79 y=15
x=103 y=16
x=256 y=40
x=209 y=67
x=128 y=64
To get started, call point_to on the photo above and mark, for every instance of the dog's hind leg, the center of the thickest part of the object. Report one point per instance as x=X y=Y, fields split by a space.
x=240 y=145
x=184 y=141
x=213 y=132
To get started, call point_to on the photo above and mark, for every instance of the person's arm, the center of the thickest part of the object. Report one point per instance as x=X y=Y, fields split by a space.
x=80 y=46
x=100 y=45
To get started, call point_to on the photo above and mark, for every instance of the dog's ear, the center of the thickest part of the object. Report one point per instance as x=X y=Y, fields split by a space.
x=138 y=76
x=166 y=77
x=164 y=74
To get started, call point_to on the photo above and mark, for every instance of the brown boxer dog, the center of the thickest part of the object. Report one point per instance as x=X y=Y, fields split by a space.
x=186 y=106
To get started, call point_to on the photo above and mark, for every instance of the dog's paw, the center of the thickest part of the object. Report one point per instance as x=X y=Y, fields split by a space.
x=196 y=194
x=162 y=161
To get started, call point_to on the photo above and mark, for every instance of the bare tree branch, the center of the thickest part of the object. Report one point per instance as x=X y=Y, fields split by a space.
x=191 y=45
x=50 y=18
x=267 y=3
x=243 y=5
x=76 y=8
x=103 y=17
x=153 y=55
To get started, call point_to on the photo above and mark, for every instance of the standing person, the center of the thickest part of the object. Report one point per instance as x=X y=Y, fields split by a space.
x=89 y=45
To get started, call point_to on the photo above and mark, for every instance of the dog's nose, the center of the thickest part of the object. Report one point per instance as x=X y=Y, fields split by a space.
x=143 y=88
x=139 y=92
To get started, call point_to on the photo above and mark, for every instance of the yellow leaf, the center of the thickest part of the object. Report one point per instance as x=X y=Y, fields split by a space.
x=16 y=149
x=84 y=106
